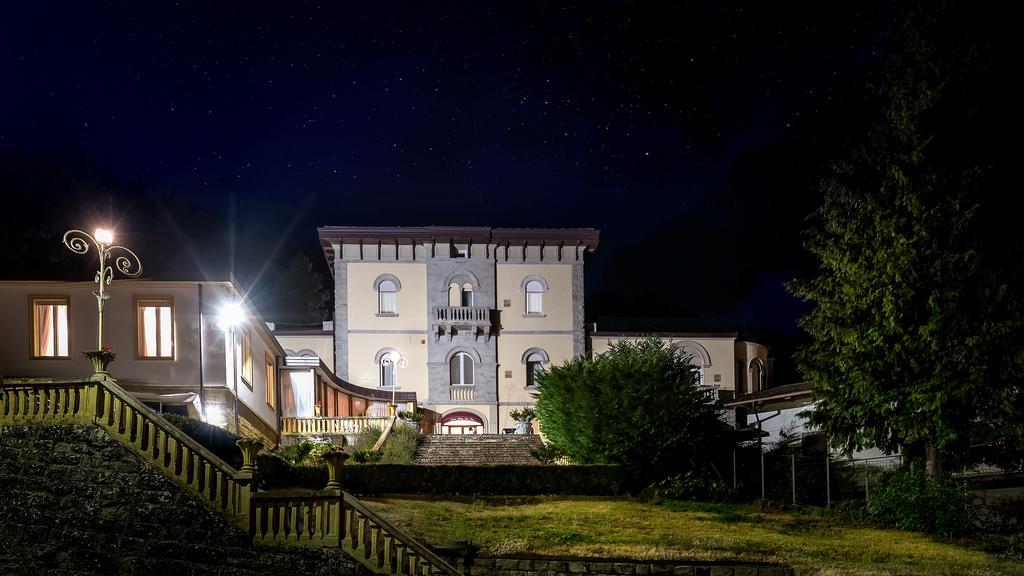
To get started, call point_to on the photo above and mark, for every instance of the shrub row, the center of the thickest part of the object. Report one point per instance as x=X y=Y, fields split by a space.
x=595 y=480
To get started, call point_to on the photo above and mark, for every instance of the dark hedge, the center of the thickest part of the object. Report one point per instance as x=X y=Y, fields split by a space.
x=593 y=480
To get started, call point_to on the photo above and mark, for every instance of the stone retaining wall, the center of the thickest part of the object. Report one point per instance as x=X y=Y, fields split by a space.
x=595 y=567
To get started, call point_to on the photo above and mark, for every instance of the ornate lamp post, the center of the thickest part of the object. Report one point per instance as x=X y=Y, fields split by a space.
x=124 y=260
x=394 y=359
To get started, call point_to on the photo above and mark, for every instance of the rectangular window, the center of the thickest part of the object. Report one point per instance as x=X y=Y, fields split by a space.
x=50 y=337
x=534 y=303
x=271 y=381
x=388 y=304
x=155 y=326
x=246 y=358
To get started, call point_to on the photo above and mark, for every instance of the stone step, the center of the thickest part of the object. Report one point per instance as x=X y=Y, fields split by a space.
x=481 y=449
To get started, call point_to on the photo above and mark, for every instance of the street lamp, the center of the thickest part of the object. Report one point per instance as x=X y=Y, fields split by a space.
x=230 y=316
x=394 y=359
x=127 y=263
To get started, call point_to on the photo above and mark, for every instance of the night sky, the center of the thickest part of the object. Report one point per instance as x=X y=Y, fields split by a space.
x=693 y=136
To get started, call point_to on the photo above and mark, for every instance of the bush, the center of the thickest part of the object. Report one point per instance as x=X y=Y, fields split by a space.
x=400 y=446
x=216 y=440
x=693 y=487
x=547 y=454
x=527 y=480
x=366 y=456
x=276 y=472
x=523 y=415
x=398 y=449
x=638 y=405
x=305 y=453
x=910 y=500
x=416 y=416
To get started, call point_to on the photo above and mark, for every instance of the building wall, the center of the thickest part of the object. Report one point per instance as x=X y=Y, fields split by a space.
x=363 y=371
x=362 y=297
x=320 y=344
x=511 y=349
x=181 y=373
x=425 y=269
x=718 y=354
x=557 y=300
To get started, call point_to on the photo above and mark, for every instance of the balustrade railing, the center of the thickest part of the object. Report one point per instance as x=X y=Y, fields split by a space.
x=474 y=315
x=462 y=392
x=313 y=518
x=317 y=425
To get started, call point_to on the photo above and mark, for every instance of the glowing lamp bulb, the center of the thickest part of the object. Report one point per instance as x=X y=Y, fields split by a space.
x=230 y=316
x=104 y=236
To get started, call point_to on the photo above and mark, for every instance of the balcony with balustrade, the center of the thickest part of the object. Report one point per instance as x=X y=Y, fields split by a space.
x=452 y=320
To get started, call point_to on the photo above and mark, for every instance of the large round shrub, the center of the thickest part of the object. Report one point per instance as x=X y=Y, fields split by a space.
x=637 y=405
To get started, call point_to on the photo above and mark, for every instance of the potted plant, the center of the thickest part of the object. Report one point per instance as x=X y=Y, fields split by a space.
x=523 y=417
x=411 y=419
x=100 y=359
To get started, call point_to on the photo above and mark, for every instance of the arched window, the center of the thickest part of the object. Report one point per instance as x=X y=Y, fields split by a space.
x=387 y=297
x=758 y=375
x=534 y=297
x=387 y=361
x=388 y=374
x=534 y=366
x=461 y=368
x=460 y=294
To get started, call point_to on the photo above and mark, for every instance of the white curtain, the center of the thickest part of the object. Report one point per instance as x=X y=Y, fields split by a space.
x=297 y=394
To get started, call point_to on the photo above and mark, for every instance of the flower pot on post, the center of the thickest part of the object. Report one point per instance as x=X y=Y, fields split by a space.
x=100 y=360
x=250 y=447
x=335 y=460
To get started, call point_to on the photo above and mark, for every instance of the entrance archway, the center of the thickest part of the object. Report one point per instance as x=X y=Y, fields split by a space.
x=462 y=423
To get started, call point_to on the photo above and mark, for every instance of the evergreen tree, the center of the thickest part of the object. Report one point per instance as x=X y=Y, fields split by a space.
x=917 y=330
x=298 y=295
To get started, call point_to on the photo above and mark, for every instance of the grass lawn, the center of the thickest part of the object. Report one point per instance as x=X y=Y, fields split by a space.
x=621 y=528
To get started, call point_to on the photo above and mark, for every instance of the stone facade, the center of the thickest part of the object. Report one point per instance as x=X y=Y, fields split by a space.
x=74 y=501
x=426 y=322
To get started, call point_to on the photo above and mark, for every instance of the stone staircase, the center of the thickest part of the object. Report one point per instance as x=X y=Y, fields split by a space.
x=477 y=449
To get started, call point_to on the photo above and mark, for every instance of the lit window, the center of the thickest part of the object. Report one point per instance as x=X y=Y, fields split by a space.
x=534 y=297
x=461 y=367
x=155 y=321
x=50 y=328
x=534 y=366
x=271 y=381
x=243 y=356
x=387 y=297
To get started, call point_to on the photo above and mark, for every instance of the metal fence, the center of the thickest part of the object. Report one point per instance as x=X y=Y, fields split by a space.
x=805 y=475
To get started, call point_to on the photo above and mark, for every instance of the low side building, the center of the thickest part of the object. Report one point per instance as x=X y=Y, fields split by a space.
x=722 y=361
x=171 y=351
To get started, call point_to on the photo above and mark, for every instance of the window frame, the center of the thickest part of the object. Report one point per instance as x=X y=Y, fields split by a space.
x=393 y=311
x=462 y=370
x=271 y=365
x=540 y=298
x=160 y=302
x=33 y=332
x=244 y=362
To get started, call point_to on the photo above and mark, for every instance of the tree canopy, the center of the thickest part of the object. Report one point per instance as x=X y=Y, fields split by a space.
x=918 y=331
x=637 y=405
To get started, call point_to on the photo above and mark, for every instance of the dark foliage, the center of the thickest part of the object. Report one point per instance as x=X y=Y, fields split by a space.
x=216 y=440
x=936 y=505
x=918 y=329
x=637 y=405
x=597 y=480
